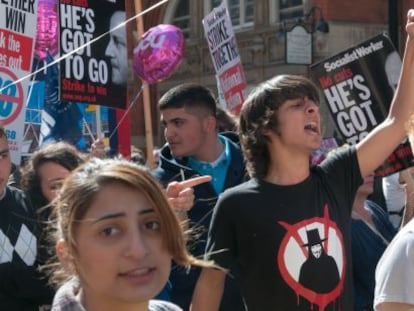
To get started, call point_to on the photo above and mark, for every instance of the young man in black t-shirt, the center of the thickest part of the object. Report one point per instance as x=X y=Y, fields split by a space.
x=263 y=225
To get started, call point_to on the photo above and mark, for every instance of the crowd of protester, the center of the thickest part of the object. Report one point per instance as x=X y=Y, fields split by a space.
x=233 y=217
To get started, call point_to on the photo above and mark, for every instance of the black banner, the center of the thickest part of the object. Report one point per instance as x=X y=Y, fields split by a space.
x=358 y=85
x=95 y=73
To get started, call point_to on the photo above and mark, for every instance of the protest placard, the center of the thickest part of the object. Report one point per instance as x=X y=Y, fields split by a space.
x=17 y=33
x=225 y=56
x=358 y=86
x=96 y=73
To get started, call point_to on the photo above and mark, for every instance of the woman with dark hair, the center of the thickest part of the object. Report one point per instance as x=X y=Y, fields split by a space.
x=42 y=177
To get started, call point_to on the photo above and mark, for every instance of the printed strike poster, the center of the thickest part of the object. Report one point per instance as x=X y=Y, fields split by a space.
x=358 y=85
x=96 y=73
x=17 y=34
x=225 y=55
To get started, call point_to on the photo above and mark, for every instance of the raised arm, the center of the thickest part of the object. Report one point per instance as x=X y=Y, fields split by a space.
x=380 y=143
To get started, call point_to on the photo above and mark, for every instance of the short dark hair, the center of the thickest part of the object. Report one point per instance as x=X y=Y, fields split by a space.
x=189 y=95
x=258 y=113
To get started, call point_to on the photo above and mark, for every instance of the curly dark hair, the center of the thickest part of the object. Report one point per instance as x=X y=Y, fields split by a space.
x=259 y=112
x=61 y=153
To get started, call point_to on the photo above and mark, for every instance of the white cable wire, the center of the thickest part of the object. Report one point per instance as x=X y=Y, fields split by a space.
x=127 y=111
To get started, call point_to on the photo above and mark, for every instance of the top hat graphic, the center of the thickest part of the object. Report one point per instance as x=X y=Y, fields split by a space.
x=313 y=238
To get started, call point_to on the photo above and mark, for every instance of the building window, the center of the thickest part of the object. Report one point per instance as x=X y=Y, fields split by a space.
x=178 y=14
x=286 y=9
x=241 y=11
x=182 y=16
x=290 y=9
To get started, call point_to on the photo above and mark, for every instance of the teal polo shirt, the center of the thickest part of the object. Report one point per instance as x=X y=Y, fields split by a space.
x=217 y=169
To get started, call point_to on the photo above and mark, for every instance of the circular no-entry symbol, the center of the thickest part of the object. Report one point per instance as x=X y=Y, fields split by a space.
x=11 y=96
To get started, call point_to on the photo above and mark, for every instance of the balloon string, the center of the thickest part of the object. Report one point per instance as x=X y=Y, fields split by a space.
x=88 y=129
x=127 y=111
x=29 y=95
x=58 y=60
x=31 y=88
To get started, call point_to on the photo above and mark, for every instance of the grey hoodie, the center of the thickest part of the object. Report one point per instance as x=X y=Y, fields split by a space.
x=66 y=300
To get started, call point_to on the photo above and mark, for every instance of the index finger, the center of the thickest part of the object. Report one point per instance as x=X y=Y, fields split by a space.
x=195 y=181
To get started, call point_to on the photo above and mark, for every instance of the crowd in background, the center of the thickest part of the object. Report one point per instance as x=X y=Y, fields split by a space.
x=233 y=217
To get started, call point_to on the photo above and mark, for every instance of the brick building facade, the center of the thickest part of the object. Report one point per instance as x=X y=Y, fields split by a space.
x=261 y=41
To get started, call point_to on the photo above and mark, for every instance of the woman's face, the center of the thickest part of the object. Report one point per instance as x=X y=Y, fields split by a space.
x=121 y=257
x=51 y=178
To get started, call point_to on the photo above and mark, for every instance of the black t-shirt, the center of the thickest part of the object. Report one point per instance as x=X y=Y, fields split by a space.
x=273 y=231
